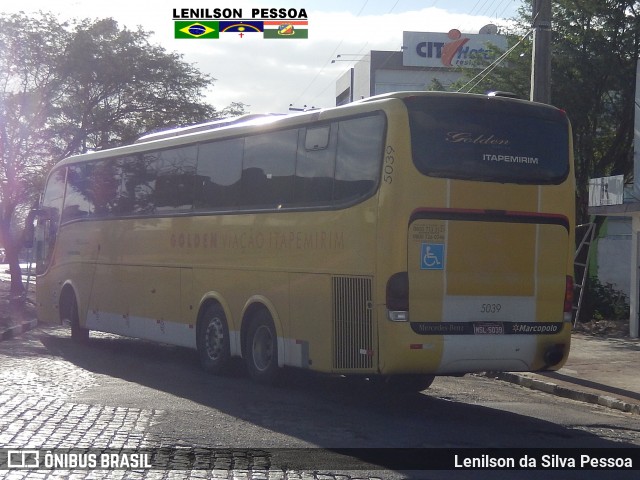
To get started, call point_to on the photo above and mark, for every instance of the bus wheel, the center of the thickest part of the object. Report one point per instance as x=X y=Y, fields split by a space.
x=262 y=349
x=213 y=340
x=69 y=315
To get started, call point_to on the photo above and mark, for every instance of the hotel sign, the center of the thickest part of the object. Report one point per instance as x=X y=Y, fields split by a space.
x=448 y=50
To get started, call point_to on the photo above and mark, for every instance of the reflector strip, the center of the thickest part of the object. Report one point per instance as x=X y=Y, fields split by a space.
x=474 y=215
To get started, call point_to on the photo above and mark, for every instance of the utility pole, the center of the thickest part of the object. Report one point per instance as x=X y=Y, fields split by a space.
x=541 y=58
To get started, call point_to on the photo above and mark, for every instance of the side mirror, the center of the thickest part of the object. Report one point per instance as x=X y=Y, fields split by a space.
x=40 y=213
x=29 y=227
x=29 y=231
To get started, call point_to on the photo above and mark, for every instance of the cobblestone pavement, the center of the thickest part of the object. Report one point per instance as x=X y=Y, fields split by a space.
x=38 y=411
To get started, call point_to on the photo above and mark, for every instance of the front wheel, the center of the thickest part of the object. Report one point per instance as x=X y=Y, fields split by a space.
x=261 y=351
x=69 y=315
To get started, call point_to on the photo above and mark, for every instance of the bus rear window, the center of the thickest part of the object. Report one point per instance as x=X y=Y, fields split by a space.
x=488 y=139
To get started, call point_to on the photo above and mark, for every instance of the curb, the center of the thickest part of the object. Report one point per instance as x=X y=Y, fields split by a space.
x=560 y=391
x=15 y=330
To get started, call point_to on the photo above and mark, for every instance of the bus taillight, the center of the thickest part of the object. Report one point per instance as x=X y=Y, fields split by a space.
x=398 y=297
x=568 y=299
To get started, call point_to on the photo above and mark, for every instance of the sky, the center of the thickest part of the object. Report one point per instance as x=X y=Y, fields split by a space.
x=270 y=76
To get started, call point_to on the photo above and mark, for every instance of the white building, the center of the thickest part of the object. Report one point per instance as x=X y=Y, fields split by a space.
x=627 y=208
x=426 y=59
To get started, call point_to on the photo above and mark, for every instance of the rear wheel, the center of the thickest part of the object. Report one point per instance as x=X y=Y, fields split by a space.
x=213 y=340
x=69 y=315
x=261 y=349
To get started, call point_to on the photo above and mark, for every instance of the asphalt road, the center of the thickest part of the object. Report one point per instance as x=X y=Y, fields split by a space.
x=116 y=392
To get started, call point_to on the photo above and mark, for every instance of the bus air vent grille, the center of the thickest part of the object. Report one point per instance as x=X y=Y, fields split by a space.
x=352 y=323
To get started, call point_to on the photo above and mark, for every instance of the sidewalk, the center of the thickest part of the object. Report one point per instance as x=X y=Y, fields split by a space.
x=600 y=370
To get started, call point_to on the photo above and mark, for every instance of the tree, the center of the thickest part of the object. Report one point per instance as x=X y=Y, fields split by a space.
x=68 y=88
x=597 y=85
x=595 y=48
x=28 y=85
x=436 y=86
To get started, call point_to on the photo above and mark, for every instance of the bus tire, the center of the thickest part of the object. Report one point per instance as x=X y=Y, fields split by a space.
x=212 y=339
x=262 y=349
x=69 y=315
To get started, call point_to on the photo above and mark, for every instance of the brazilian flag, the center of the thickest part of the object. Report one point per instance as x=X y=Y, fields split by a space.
x=197 y=29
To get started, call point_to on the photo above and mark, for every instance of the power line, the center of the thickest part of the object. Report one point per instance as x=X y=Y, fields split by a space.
x=505 y=8
x=331 y=57
x=480 y=5
x=333 y=54
x=484 y=73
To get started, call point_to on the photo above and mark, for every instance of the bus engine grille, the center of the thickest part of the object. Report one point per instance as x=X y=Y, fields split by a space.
x=352 y=323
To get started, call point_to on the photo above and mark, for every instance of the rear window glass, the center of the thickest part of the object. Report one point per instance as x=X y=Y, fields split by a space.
x=488 y=139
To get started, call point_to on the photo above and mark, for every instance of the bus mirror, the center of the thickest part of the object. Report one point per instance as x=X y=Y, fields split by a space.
x=40 y=213
x=29 y=228
x=29 y=231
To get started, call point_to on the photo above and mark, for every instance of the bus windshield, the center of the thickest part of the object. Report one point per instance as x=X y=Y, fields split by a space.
x=489 y=139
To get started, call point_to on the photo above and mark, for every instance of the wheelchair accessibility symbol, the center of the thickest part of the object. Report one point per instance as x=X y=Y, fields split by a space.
x=432 y=256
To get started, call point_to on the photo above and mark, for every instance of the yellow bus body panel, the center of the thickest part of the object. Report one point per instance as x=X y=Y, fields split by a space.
x=323 y=273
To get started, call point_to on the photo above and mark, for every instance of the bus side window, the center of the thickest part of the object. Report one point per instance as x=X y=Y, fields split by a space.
x=218 y=174
x=315 y=167
x=359 y=157
x=122 y=204
x=268 y=169
x=174 y=171
x=78 y=200
x=104 y=187
x=136 y=180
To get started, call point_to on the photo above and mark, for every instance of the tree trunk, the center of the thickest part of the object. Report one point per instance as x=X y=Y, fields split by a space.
x=12 y=249
x=17 y=287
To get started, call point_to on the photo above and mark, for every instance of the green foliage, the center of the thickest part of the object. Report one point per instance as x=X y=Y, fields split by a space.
x=436 y=86
x=595 y=46
x=512 y=75
x=603 y=302
x=66 y=88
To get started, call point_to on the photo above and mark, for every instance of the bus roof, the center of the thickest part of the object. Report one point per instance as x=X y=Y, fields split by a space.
x=251 y=118
x=247 y=124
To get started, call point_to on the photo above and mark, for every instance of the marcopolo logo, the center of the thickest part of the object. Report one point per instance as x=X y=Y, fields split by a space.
x=209 y=23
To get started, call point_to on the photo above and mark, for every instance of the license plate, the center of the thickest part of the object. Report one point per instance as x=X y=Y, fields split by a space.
x=488 y=328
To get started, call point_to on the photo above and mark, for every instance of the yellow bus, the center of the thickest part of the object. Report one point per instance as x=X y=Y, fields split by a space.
x=400 y=237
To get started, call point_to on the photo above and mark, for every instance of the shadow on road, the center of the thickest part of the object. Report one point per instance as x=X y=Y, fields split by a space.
x=318 y=410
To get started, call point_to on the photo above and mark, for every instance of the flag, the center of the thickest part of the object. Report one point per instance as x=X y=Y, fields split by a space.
x=196 y=29
x=241 y=26
x=286 y=29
